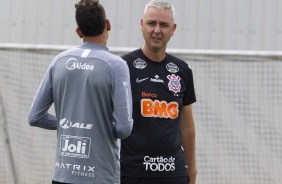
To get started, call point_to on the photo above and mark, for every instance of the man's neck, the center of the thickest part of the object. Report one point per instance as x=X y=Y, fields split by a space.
x=101 y=39
x=95 y=40
x=156 y=56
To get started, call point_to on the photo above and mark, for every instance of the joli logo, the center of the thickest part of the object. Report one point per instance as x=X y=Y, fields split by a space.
x=73 y=146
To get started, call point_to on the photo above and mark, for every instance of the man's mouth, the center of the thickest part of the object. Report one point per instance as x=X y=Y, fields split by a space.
x=156 y=38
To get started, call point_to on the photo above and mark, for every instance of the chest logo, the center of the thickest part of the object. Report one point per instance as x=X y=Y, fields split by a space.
x=174 y=83
x=139 y=64
x=159 y=109
x=141 y=80
x=157 y=79
x=172 y=68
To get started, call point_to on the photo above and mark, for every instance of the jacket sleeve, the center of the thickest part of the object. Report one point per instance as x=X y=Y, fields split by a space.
x=38 y=115
x=122 y=100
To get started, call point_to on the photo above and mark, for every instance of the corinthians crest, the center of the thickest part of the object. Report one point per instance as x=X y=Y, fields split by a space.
x=174 y=83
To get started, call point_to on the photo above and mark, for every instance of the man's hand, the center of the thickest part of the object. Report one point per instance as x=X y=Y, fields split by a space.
x=192 y=172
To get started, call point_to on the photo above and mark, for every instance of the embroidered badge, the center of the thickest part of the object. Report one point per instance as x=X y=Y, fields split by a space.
x=172 y=68
x=139 y=63
x=174 y=83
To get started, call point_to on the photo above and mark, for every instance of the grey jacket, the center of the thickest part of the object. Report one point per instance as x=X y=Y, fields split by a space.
x=91 y=92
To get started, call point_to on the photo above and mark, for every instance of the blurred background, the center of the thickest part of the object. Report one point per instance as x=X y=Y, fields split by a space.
x=202 y=24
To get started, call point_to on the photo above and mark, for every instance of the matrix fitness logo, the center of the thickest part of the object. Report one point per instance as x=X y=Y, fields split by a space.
x=77 y=170
x=159 y=163
x=74 y=146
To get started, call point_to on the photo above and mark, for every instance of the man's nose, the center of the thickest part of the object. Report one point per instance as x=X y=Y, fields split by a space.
x=157 y=29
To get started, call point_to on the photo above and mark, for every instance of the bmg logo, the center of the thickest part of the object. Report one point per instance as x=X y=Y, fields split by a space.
x=74 y=146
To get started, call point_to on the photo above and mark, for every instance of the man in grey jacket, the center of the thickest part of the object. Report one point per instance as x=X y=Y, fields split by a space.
x=91 y=92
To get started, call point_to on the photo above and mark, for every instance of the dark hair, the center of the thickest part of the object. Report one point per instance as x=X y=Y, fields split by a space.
x=90 y=17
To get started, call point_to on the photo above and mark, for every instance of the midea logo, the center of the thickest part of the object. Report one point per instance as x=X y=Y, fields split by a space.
x=73 y=64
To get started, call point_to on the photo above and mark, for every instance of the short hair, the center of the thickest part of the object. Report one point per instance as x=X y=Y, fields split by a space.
x=90 y=17
x=160 y=4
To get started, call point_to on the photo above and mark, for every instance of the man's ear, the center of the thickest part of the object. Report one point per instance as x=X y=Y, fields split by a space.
x=141 y=25
x=79 y=33
x=108 y=25
x=173 y=29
